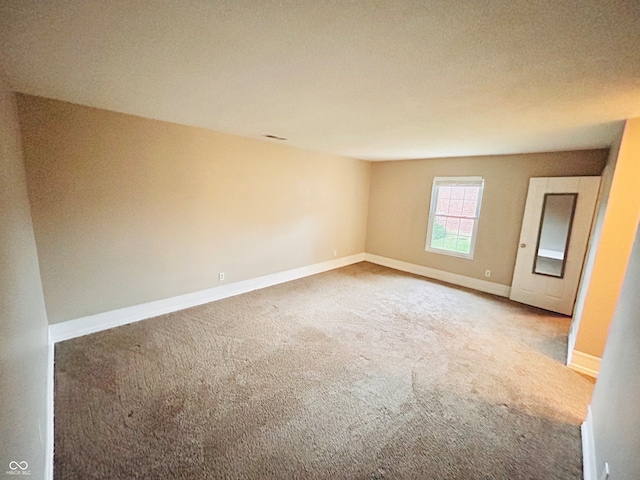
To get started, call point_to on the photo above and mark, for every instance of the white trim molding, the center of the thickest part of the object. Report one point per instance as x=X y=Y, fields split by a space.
x=571 y=340
x=123 y=316
x=453 y=278
x=588 y=448
x=585 y=363
x=49 y=439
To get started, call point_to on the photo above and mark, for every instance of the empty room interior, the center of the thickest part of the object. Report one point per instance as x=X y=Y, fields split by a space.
x=368 y=240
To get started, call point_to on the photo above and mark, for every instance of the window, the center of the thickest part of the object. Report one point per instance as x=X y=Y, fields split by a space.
x=453 y=215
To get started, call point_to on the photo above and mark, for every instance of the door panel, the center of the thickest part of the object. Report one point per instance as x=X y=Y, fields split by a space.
x=544 y=290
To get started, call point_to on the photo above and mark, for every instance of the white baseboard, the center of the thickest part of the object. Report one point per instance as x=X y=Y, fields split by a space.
x=115 y=318
x=585 y=363
x=48 y=472
x=453 y=278
x=588 y=449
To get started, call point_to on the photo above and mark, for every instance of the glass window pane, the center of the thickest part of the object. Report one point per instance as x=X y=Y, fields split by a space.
x=442 y=206
x=438 y=232
x=455 y=207
x=457 y=193
x=450 y=242
x=469 y=207
x=444 y=192
x=466 y=227
x=437 y=242
x=471 y=193
x=453 y=225
x=464 y=244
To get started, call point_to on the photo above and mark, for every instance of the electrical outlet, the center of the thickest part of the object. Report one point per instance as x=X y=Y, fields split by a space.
x=335 y=253
x=221 y=276
x=487 y=273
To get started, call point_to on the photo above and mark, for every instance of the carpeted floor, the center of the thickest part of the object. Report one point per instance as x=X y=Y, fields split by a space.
x=359 y=373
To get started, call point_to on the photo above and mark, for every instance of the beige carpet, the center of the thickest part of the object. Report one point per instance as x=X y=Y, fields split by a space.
x=362 y=372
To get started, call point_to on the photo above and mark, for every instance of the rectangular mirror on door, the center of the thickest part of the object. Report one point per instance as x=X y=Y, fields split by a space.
x=554 y=234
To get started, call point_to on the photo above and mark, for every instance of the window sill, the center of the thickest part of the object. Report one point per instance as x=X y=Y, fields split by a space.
x=466 y=256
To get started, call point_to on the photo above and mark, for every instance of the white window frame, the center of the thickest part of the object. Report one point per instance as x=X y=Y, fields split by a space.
x=447 y=181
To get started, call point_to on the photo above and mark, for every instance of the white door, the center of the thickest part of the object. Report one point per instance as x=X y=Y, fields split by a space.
x=553 y=241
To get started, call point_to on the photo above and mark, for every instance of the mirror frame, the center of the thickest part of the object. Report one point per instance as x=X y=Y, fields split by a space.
x=566 y=246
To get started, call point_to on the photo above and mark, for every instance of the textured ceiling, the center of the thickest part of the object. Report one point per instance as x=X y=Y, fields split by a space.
x=367 y=79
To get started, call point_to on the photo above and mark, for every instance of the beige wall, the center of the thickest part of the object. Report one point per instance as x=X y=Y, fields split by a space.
x=614 y=246
x=401 y=192
x=616 y=416
x=128 y=210
x=594 y=240
x=23 y=322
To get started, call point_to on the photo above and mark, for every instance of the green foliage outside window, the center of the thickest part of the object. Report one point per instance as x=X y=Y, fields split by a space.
x=439 y=232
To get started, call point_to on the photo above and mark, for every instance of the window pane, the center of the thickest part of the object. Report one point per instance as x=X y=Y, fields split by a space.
x=450 y=242
x=443 y=205
x=444 y=192
x=466 y=227
x=453 y=224
x=471 y=193
x=457 y=192
x=439 y=232
x=437 y=242
x=455 y=207
x=469 y=208
x=464 y=244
